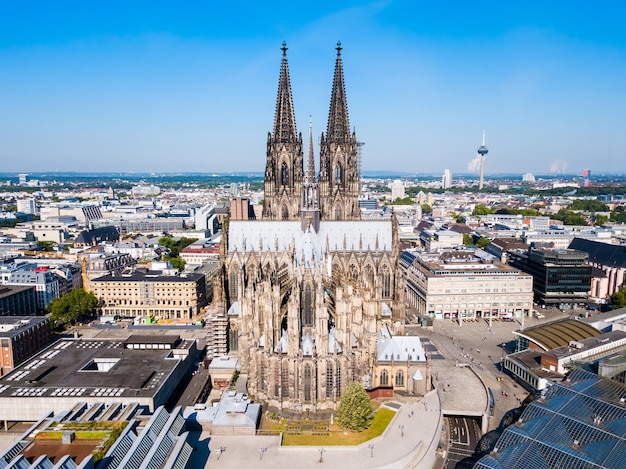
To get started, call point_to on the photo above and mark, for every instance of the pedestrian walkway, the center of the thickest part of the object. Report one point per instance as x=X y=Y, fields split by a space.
x=410 y=441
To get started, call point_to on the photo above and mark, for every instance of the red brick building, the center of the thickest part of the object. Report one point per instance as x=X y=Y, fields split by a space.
x=20 y=338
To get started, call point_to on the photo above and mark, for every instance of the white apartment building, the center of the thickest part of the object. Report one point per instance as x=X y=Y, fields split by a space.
x=446 y=180
x=441 y=239
x=459 y=284
x=26 y=206
x=47 y=285
x=83 y=213
x=397 y=190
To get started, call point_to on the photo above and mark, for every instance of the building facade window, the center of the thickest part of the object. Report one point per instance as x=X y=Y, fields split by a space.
x=307 y=306
x=386 y=282
x=233 y=284
x=329 y=379
x=307 y=383
x=285 y=379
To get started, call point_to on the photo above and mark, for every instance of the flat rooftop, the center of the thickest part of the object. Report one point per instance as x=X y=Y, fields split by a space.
x=11 y=325
x=9 y=290
x=149 y=276
x=95 y=368
x=531 y=360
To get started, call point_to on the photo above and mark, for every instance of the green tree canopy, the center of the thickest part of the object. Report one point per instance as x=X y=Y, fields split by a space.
x=8 y=223
x=404 y=201
x=458 y=217
x=481 y=209
x=593 y=205
x=618 y=215
x=618 y=299
x=75 y=305
x=175 y=246
x=171 y=244
x=427 y=208
x=600 y=220
x=355 y=410
x=468 y=239
x=47 y=246
x=483 y=242
x=570 y=218
x=177 y=262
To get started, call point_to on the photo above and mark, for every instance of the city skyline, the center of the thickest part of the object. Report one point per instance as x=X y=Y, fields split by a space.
x=154 y=88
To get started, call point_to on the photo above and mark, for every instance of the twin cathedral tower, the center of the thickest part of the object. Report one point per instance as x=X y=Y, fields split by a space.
x=293 y=192
x=309 y=288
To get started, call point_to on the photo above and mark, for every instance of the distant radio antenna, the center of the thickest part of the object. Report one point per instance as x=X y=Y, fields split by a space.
x=482 y=151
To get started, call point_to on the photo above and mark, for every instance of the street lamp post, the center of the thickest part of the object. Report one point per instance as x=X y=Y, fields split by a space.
x=371 y=447
x=401 y=428
x=219 y=451
x=322 y=454
x=262 y=451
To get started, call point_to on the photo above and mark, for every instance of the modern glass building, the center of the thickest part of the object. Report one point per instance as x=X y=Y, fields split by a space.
x=560 y=276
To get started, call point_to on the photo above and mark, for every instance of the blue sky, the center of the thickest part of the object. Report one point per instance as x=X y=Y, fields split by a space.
x=191 y=86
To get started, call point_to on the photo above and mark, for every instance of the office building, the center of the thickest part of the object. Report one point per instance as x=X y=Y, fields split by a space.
x=17 y=300
x=458 y=284
x=20 y=338
x=446 y=180
x=397 y=190
x=28 y=206
x=561 y=277
x=139 y=369
x=151 y=294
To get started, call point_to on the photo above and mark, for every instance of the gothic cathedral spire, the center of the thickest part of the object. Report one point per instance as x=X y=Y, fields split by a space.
x=338 y=179
x=284 y=163
x=284 y=119
x=338 y=129
x=310 y=211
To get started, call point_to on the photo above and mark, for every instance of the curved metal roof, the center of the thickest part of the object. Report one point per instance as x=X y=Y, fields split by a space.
x=560 y=333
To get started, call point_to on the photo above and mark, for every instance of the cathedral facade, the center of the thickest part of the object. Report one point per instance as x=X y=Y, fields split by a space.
x=310 y=286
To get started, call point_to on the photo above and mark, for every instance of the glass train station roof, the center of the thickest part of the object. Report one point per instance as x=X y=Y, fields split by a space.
x=580 y=423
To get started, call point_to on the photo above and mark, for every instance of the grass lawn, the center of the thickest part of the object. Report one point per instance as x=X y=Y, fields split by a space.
x=337 y=436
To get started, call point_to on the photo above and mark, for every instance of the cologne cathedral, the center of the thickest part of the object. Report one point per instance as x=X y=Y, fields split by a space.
x=310 y=287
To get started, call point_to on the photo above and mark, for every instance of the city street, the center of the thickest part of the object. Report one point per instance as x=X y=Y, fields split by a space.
x=464 y=435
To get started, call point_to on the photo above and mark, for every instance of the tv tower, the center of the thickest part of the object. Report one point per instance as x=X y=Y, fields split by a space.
x=482 y=151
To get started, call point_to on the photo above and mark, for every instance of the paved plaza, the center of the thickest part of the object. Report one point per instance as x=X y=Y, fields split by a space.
x=479 y=345
x=410 y=441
